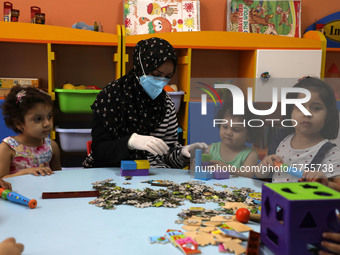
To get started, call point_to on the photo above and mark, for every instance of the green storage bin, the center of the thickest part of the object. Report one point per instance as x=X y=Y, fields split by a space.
x=76 y=100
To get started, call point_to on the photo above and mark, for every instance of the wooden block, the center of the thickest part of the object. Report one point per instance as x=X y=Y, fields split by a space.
x=253 y=246
x=255 y=217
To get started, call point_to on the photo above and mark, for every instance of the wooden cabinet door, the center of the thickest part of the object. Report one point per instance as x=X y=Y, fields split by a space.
x=285 y=68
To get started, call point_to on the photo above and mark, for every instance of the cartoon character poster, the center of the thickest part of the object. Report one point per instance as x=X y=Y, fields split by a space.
x=148 y=17
x=265 y=17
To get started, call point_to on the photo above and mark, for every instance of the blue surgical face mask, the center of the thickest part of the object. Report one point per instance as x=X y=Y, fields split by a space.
x=152 y=85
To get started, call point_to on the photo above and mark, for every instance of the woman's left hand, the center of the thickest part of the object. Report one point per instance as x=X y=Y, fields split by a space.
x=189 y=150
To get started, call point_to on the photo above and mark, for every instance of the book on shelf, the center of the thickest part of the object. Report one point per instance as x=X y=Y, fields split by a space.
x=265 y=17
x=160 y=16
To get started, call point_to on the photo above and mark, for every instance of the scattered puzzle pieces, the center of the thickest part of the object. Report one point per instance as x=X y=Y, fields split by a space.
x=188 y=245
x=158 y=239
x=234 y=245
x=238 y=226
x=173 y=196
x=190 y=228
x=203 y=239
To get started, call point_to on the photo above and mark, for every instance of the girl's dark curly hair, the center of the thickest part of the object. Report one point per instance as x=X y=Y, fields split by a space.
x=227 y=109
x=326 y=93
x=15 y=106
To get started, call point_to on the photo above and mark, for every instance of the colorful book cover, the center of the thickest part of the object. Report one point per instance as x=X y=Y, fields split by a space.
x=160 y=16
x=265 y=17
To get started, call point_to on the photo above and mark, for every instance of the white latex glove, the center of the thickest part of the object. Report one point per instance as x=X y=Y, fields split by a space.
x=189 y=150
x=148 y=143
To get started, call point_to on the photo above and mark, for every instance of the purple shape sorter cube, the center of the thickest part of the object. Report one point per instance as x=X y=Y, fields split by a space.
x=294 y=216
x=134 y=167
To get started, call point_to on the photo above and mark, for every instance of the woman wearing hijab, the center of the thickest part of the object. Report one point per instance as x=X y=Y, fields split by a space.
x=134 y=118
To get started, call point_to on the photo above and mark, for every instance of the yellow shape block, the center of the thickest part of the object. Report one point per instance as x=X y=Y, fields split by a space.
x=143 y=164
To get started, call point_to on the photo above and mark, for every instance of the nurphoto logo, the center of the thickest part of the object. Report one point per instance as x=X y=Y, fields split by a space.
x=238 y=104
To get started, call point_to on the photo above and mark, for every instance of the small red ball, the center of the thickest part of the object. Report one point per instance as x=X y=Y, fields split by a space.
x=242 y=215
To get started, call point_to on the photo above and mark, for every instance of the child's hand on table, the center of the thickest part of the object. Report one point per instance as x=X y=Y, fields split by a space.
x=269 y=160
x=333 y=247
x=5 y=185
x=38 y=171
x=11 y=247
x=315 y=177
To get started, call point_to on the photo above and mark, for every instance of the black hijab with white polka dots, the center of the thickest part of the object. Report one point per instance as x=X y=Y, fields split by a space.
x=123 y=105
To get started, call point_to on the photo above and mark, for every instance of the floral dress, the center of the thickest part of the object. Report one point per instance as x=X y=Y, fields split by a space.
x=28 y=157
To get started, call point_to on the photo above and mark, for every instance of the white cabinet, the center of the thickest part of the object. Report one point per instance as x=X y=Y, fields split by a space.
x=285 y=68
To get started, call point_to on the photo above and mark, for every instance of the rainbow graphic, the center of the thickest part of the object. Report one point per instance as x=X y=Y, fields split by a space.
x=209 y=93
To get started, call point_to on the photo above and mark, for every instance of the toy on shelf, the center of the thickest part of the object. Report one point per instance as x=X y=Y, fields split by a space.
x=290 y=170
x=37 y=17
x=17 y=198
x=82 y=25
x=134 y=167
x=294 y=215
x=10 y=14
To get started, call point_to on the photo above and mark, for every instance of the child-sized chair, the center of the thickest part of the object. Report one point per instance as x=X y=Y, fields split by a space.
x=88 y=146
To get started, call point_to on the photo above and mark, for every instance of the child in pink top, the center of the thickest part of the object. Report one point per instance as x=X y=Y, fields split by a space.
x=28 y=111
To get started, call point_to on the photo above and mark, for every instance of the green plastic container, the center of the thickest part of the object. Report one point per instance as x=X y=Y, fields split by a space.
x=76 y=100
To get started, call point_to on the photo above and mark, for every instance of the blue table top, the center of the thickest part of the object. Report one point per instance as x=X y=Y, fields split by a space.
x=73 y=226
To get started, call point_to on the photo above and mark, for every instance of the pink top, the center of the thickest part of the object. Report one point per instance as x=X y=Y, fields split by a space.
x=28 y=157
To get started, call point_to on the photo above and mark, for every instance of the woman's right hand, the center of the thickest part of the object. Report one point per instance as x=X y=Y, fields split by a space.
x=38 y=171
x=148 y=143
